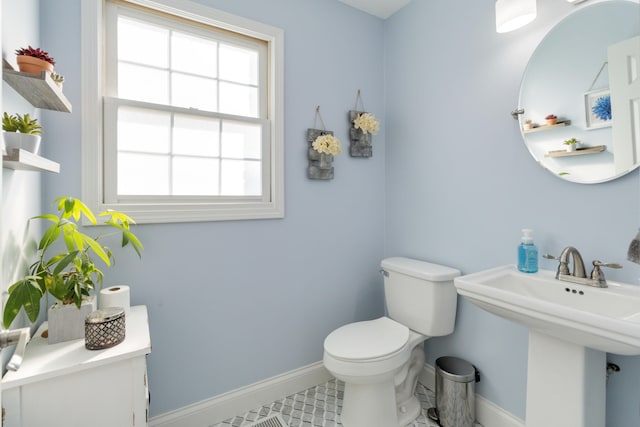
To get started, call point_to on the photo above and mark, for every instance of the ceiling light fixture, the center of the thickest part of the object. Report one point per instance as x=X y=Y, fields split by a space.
x=513 y=14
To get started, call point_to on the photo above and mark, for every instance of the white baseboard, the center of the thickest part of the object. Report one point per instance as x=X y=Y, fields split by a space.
x=487 y=413
x=242 y=400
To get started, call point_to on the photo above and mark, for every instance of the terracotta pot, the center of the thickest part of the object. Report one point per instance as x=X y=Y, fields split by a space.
x=31 y=65
x=551 y=122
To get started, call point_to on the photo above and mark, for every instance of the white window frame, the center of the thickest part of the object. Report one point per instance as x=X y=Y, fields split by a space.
x=149 y=210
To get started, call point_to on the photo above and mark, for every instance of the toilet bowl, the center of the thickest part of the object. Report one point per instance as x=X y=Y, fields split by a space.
x=373 y=359
x=380 y=360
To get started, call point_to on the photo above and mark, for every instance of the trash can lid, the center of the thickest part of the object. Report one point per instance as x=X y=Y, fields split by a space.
x=455 y=369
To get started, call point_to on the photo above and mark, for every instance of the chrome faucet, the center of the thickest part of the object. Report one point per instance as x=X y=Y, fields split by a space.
x=579 y=274
x=578 y=263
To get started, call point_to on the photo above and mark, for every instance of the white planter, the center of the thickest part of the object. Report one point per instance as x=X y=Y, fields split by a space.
x=66 y=322
x=24 y=141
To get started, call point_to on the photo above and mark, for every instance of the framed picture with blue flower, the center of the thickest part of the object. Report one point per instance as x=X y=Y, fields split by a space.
x=597 y=105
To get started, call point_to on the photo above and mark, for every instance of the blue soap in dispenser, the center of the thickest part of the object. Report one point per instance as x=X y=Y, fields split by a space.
x=527 y=253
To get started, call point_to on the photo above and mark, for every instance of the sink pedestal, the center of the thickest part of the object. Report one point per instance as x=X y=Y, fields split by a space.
x=566 y=384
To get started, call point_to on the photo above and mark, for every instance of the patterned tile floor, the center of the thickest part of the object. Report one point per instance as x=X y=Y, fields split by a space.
x=318 y=407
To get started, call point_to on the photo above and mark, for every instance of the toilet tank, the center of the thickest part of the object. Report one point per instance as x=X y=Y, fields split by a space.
x=420 y=295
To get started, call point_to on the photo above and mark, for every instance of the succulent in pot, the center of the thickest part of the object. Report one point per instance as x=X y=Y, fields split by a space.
x=572 y=144
x=34 y=60
x=69 y=274
x=21 y=131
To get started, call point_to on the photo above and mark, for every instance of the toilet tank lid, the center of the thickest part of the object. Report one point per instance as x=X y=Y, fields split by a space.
x=419 y=269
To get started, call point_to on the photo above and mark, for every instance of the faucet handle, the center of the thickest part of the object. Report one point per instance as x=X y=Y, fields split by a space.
x=563 y=267
x=597 y=263
x=598 y=275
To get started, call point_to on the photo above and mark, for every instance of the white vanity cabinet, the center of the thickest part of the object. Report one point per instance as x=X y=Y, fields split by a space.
x=66 y=385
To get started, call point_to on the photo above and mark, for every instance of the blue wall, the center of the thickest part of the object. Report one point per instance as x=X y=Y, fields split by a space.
x=461 y=183
x=233 y=303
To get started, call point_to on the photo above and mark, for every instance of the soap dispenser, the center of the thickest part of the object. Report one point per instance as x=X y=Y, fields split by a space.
x=527 y=253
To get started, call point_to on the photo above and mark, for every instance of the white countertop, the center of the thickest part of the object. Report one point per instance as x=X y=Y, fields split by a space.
x=43 y=361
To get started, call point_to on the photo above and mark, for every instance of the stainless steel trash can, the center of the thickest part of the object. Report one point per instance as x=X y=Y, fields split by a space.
x=455 y=392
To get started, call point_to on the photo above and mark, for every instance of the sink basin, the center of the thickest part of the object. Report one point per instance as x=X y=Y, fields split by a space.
x=605 y=319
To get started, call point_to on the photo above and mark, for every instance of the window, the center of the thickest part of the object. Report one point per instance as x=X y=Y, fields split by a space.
x=187 y=104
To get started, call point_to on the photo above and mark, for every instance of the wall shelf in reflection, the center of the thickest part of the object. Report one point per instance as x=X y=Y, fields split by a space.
x=547 y=127
x=578 y=152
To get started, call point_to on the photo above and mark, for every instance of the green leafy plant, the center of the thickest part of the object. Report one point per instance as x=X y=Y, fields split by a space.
x=36 y=53
x=571 y=141
x=22 y=124
x=71 y=273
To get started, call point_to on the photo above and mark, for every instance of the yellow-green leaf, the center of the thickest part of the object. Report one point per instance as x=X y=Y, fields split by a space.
x=99 y=250
x=129 y=237
x=86 y=211
x=49 y=236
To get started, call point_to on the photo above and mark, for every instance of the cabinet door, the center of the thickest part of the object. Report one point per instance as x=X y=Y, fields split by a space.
x=97 y=397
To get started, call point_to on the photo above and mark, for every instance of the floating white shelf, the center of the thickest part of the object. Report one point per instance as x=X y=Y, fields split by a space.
x=25 y=160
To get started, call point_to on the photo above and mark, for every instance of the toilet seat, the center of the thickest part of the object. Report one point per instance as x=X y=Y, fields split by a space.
x=367 y=341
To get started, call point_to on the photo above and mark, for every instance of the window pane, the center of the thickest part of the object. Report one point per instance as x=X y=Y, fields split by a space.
x=196 y=176
x=238 y=64
x=241 y=178
x=142 y=43
x=239 y=100
x=143 y=174
x=241 y=140
x=194 y=92
x=194 y=55
x=143 y=130
x=197 y=136
x=143 y=83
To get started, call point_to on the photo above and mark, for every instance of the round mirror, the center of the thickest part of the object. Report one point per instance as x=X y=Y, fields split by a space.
x=581 y=94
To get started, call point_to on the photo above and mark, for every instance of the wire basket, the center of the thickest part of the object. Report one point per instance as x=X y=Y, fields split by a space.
x=104 y=328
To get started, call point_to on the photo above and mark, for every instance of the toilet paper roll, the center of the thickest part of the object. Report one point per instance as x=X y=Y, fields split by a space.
x=115 y=296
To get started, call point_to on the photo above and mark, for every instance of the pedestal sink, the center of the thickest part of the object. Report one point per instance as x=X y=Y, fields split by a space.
x=571 y=328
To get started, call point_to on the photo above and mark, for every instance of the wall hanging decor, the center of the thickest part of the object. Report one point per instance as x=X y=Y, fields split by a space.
x=363 y=125
x=322 y=147
x=597 y=105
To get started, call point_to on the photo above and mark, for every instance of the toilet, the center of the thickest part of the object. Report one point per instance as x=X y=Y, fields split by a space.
x=380 y=360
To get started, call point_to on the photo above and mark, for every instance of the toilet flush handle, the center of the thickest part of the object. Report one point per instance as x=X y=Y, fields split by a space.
x=384 y=273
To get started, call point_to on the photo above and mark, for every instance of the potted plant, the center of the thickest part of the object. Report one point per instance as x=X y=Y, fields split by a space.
x=57 y=79
x=21 y=132
x=34 y=60
x=551 y=120
x=571 y=144
x=528 y=124
x=66 y=267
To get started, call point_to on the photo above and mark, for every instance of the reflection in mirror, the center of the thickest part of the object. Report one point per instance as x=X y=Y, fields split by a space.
x=585 y=72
